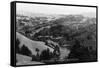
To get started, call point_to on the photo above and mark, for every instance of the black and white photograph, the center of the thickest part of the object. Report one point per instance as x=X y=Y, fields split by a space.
x=55 y=34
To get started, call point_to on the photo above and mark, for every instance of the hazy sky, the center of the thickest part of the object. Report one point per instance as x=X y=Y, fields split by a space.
x=53 y=9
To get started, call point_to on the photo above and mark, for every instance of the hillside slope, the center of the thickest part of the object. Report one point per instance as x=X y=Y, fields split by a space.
x=32 y=45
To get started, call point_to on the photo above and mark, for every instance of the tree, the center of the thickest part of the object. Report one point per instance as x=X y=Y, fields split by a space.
x=46 y=54
x=37 y=50
x=25 y=51
x=34 y=58
x=37 y=55
x=56 y=52
x=17 y=46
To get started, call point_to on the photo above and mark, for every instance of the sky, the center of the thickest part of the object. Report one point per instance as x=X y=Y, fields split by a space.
x=53 y=9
